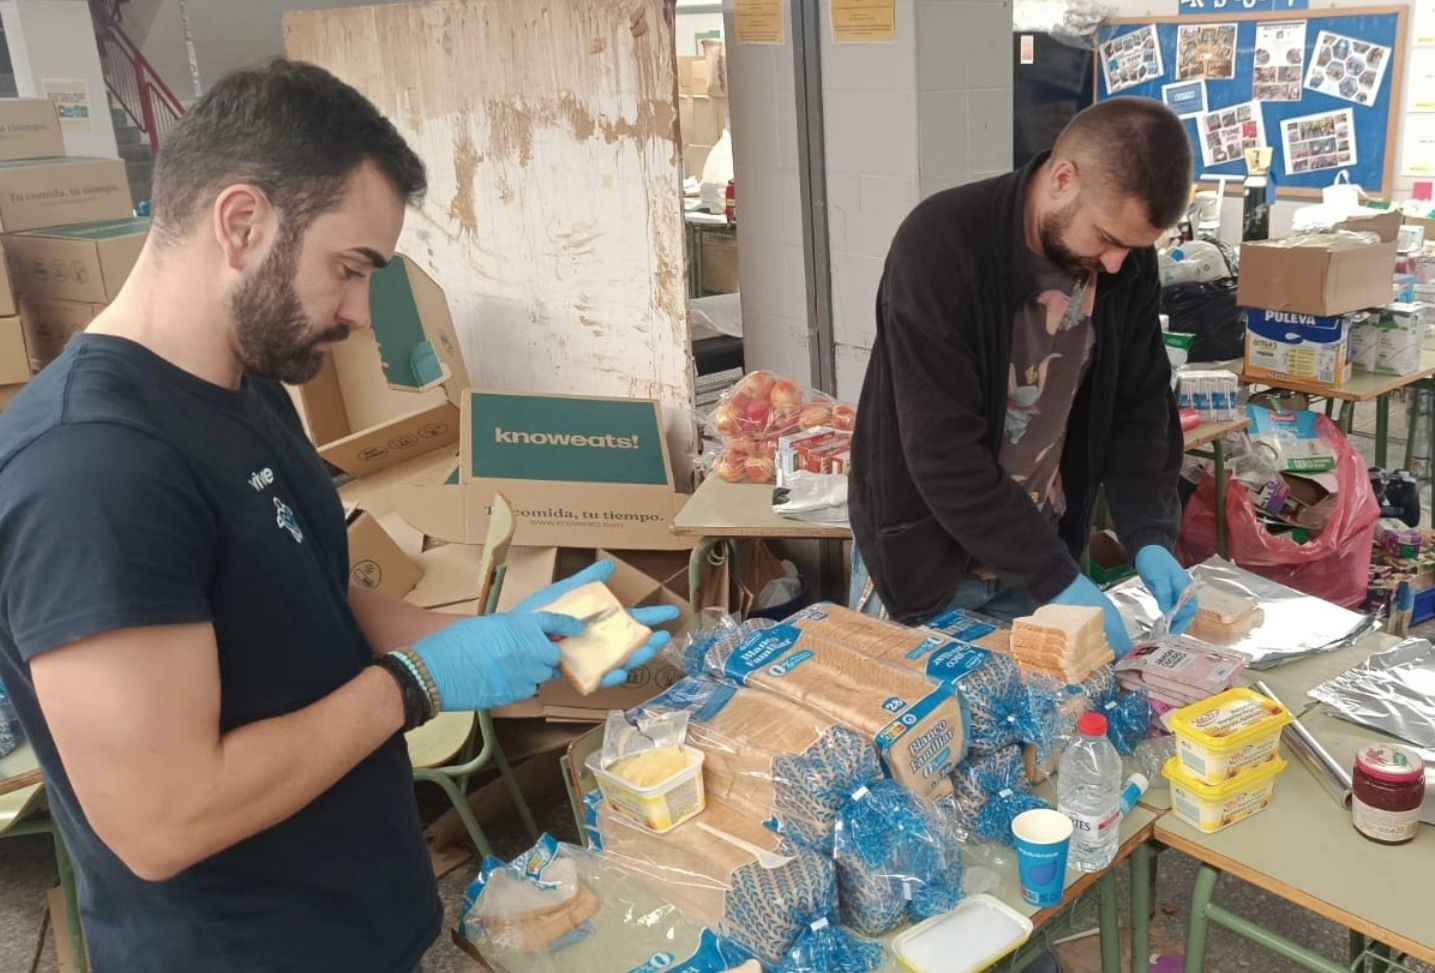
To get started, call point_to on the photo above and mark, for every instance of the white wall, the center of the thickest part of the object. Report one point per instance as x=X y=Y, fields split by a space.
x=1283 y=212
x=56 y=39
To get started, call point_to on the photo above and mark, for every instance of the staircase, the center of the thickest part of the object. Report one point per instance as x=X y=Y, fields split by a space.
x=144 y=108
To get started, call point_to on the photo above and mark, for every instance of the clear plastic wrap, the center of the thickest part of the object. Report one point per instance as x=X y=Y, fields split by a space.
x=11 y=735
x=711 y=632
x=1128 y=720
x=915 y=726
x=994 y=703
x=783 y=763
x=990 y=790
x=824 y=948
x=756 y=413
x=748 y=884
x=896 y=860
x=561 y=909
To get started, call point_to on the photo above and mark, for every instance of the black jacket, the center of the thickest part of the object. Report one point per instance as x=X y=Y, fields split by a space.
x=928 y=498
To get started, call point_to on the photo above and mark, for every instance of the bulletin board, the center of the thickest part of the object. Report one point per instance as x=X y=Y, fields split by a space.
x=1325 y=95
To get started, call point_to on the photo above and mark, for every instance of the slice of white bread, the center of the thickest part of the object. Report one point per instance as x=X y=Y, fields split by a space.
x=607 y=644
x=521 y=915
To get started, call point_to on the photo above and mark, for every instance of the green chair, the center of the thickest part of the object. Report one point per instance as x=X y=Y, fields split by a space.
x=23 y=812
x=442 y=750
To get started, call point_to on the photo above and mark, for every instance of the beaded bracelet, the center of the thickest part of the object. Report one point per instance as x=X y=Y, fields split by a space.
x=420 y=669
x=411 y=691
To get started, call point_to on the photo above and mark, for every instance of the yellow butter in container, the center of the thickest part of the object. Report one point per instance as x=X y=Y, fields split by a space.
x=658 y=789
x=1233 y=732
x=1211 y=807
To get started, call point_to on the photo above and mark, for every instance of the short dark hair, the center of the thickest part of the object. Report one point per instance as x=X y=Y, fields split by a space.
x=293 y=130
x=1140 y=149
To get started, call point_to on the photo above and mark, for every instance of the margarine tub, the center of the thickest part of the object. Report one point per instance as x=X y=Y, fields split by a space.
x=657 y=789
x=1218 y=738
x=1212 y=807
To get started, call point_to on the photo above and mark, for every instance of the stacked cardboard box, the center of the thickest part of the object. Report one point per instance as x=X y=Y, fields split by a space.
x=702 y=105
x=584 y=476
x=1306 y=295
x=69 y=237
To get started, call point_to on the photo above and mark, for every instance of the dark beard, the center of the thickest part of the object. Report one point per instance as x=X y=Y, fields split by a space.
x=1053 y=229
x=274 y=334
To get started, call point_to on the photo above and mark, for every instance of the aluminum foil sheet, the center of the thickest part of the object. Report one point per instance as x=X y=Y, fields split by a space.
x=1393 y=692
x=1296 y=625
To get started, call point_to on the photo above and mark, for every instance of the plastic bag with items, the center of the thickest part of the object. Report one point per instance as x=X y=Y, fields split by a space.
x=757 y=412
x=991 y=789
x=897 y=859
x=11 y=736
x=561 y=909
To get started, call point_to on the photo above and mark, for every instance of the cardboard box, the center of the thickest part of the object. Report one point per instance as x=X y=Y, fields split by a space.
x=1400 y=341
x=1326 y=278
x=87 y=262
x=530 y=570
x=7 y=395
x=15 y=365
x=694 y=158
x=380 y=400
x=1281 y=344
x=590 y=472
x=703 y=74
x=49 y=326
x=375 y=560
x=61 y=192
x=9 y=307
x=720 y=275
x=701 y=119
x=30 y=129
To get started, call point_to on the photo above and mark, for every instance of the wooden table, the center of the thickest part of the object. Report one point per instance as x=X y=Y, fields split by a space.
x=722 y=513
x=1213 y=434
x=1362 y=387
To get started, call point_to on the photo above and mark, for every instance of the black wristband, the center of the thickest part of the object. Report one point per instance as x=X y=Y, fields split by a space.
x=416 y=700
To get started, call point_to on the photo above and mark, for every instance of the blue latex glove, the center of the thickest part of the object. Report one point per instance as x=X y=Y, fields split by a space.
x=494 y=660
x=651 y=617
x=1083 y=591
x=1166 y=579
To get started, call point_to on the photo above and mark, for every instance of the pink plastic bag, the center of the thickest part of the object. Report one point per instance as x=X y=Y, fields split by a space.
x=1334 y=566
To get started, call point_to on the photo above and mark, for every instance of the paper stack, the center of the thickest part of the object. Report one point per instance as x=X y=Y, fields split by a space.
x=1178 y=671
x=1225 y=618
x=1065 y=642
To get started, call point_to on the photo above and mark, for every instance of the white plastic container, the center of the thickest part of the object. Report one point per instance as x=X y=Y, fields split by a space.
x=1212 y=807
x=971 y=937
x=1236 y=731
x=661 y=807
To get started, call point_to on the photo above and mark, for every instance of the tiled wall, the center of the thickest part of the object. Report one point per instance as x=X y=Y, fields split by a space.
x=901 y=120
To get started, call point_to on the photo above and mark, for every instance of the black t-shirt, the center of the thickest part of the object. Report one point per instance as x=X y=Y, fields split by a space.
x=133 y=493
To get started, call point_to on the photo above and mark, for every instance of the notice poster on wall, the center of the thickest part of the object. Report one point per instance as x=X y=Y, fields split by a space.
x=72 y=102
x=864 y=21
x=1186 y=98
x=759 y=22
x=1420 y=79
x=1227 y=132
x=1424 y=23
x=1279 y=61
x=1206 y=51
x=1348 y=68
x=1418 y=152
x=1131 y=59
x=1312 y=143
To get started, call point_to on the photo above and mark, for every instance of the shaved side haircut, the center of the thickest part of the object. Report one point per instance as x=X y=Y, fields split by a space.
x=1136 y=148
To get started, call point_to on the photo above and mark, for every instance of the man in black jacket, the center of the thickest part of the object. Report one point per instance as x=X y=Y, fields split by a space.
x=1018 y=367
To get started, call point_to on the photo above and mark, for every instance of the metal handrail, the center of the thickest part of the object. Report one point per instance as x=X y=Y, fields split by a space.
x=131 y=78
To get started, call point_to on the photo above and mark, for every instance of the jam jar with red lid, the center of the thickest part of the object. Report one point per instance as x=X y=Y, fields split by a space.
x=1389 y=789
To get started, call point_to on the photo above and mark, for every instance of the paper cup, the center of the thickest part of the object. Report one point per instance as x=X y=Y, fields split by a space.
x=1043 y=838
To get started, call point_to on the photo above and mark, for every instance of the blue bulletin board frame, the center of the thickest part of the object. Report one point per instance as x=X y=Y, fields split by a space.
x=1375 y=124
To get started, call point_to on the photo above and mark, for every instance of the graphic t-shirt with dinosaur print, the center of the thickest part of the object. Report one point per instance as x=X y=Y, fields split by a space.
x=1050 y=351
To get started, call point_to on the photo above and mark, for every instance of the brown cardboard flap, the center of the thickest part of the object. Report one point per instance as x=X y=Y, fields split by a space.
x=376 y=561
x=375 y=492
x=15 y=365
x=549 y=514
x=451 y=575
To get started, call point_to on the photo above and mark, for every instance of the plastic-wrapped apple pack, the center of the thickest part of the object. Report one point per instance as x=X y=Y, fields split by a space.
x=756 y=413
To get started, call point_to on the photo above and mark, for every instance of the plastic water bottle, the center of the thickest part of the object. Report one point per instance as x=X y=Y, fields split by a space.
x=1088 y=791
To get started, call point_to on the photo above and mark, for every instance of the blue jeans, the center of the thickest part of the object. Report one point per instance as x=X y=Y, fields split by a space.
x=972 y=594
